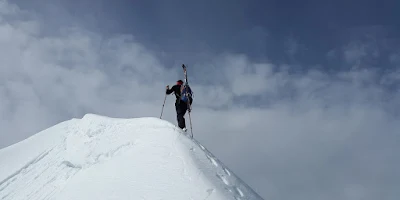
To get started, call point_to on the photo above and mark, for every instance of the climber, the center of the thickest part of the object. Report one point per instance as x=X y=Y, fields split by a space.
x=181 y=103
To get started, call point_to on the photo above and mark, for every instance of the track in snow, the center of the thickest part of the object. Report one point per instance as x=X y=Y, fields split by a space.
x=39 y=178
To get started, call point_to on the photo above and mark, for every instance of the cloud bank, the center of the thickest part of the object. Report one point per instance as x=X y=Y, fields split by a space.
x=306 y=135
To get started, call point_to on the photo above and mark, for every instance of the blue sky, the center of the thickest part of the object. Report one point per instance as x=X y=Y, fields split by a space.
x=300 y=99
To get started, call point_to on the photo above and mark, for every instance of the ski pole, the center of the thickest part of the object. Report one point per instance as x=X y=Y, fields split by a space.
x=162 y=109
x=191 y=128
x=190 y=118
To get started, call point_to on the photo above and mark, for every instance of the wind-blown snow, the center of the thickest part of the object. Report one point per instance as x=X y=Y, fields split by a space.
x=99 y=157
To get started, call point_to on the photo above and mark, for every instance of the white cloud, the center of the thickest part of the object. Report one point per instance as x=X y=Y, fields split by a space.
x=361 y=53
x=316 y=130
x=291 y=46
x=353 y=53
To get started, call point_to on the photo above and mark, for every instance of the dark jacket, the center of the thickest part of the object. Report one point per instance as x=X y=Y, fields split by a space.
x=177 y=90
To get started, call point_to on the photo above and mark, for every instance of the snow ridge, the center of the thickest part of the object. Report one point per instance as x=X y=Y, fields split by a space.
x=141 y=158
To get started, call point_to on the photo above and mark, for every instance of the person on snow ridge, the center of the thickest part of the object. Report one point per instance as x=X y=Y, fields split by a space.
x=180 y=106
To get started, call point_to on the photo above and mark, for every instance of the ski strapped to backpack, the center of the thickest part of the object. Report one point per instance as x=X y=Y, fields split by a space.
x=186 y=91
x=187 y=96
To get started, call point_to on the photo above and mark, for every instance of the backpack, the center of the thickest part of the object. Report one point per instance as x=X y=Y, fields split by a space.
x=186 y=93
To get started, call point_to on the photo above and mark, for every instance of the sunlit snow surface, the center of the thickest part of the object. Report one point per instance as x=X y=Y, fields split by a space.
x=98 y=157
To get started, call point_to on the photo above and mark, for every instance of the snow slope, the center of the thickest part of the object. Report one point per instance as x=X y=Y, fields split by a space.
x=98 y=157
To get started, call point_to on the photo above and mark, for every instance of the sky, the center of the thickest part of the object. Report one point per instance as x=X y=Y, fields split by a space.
x=300 y=99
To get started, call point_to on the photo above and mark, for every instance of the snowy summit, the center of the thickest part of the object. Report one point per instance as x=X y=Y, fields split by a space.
x=99 y=157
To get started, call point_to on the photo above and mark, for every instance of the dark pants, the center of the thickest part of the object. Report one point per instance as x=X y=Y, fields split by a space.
x=181 y=109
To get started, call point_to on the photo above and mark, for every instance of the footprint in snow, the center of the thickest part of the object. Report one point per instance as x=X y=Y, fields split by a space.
x=227 y=172
x=202 y=147
x=223 y=179
x=71 y=165
x=237 y=198
x=239 y=192
x=212 y=160
x=209 y=191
